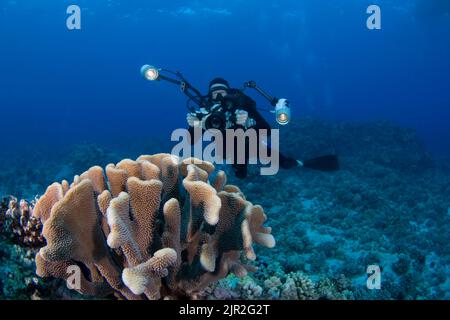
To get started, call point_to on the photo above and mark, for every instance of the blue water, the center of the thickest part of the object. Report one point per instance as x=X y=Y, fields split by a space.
x=59 y=87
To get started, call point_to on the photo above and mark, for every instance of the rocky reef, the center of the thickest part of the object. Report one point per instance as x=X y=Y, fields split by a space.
x=379 y=143
x=387 y=206
x=157 y=228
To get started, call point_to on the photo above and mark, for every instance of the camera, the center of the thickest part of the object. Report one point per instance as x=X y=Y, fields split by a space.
x=216 y=120
x=219 y=116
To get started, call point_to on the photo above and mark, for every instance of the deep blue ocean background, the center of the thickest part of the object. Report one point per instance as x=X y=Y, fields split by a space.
x=59 y=87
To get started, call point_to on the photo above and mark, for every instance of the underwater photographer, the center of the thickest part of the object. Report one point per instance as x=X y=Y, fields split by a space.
x=232 y=109
x=227 y=109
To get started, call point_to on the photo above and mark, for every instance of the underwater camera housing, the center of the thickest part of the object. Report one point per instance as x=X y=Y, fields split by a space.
x=219 y=117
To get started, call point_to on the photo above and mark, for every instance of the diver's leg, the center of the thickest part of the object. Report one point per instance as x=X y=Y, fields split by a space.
x=288 y=162
x=240 y=169
x=285 y=161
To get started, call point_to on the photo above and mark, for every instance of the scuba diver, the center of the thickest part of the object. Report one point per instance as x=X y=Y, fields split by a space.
x=246 y=116
x=229 y=108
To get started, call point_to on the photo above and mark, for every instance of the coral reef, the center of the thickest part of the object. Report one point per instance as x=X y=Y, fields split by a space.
x=18 y=279
x=380 y=142
x=157 y=228
x=388 y=206
x=3 y=208
x=267 y=285
x=22 y=227
x=26 y=172
x=389 y=210
x=20 y=238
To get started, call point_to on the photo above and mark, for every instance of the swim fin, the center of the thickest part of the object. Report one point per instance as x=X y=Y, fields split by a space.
x=324 y=163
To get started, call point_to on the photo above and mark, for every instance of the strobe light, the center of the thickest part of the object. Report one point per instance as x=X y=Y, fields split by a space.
x=283 y=112
x=149 y=72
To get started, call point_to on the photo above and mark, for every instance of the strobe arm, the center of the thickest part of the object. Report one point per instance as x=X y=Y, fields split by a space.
x=282 y=110
x=191 y=92
x=151 y=73
x=252 y=84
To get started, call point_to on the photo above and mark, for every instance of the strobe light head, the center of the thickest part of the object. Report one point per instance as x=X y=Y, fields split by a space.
x=283 y=112
x=150 y=73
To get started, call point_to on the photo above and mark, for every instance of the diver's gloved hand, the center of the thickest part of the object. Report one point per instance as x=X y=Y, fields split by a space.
x=241 y=117
x=282 y=103
x=193 y=121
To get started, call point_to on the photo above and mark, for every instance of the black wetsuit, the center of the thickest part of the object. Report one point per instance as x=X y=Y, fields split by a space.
x=243 y=102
